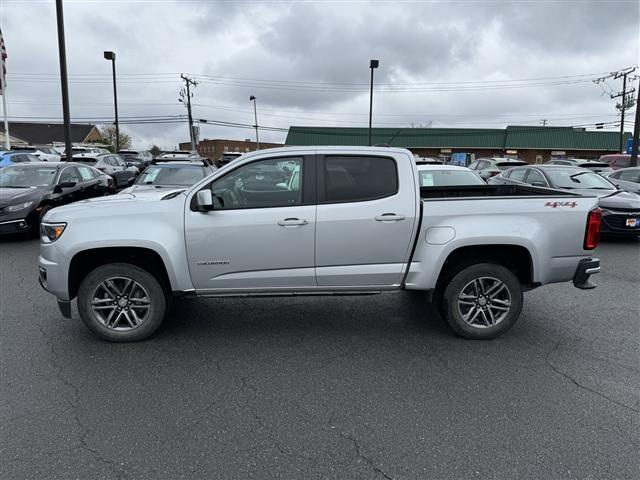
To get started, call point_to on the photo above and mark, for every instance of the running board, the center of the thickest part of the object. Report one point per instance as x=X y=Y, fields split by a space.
x=286 y=294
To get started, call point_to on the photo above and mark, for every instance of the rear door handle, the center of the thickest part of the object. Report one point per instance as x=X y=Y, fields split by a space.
x=390 y=217
x=292 y=222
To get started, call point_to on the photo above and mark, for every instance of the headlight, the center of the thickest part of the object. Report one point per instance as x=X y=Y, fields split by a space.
x=19 y=206
x=50 y=232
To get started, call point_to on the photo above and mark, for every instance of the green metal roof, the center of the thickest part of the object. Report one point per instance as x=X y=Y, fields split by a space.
x=513 y=137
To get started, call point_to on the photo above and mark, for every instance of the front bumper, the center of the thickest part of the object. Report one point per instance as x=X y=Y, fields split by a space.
x=615 y=223
x=586 y=267
x=14 y=226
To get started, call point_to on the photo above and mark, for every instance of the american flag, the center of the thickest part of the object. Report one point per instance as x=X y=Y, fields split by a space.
x=3 y=49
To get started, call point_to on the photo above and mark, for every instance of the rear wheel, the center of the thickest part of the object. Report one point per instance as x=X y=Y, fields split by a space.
x=482 y=301
x=120 y=302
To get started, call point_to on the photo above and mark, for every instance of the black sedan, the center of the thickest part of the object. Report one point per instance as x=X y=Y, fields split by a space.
x=620 y=210
x=29 y=190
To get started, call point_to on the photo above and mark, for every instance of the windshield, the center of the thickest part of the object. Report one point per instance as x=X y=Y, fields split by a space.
x=26 y=176
x=440 y=178
x=182 y=176
x=572 y=179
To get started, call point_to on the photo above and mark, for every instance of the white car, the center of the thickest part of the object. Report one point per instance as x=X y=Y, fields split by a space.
x=447 y=175
x=43 y=153
x=47 y=154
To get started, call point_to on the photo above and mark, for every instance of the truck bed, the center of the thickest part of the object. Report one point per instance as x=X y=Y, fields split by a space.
x=462 y=191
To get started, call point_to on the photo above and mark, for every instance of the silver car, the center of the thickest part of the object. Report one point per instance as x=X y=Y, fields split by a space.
x=489 y=167
x=627 y=179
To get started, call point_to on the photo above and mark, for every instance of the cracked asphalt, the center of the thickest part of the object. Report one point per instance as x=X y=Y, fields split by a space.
x=345 y=388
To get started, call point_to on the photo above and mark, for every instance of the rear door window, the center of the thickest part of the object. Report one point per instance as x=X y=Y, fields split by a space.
x=518 y=174
x=536 y=179
x=85 y=173
x=629 y=176
x=359 y=178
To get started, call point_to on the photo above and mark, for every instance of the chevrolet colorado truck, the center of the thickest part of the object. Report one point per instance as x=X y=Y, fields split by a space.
x=316 y=221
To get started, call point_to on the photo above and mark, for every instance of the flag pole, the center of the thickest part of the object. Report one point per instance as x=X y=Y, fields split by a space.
x=7 y=143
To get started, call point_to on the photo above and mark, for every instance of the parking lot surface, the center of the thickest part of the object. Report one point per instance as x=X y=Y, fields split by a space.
x=368 y=387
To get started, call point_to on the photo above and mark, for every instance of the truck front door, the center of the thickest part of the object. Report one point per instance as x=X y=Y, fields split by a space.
x=365 y=220
x=260 y=235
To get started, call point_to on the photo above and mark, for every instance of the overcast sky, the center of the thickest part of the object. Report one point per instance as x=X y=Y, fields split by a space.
x=458 y=64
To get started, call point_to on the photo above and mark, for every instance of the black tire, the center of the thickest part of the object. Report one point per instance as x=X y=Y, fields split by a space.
x=157 y=305
x=486 y=310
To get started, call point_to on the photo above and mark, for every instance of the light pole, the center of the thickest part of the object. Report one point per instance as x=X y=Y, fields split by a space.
x=373 y=64
x=112 y=56
x=255 y=115
x=62 y=52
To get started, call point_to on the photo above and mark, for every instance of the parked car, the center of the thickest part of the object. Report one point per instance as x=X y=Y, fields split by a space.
x=447 y=175
x=593 y=165
x=617 y=160
x=9 y=158
x=227 y=157
x=428 y=161
x=620 y=210
x=29 y=190
x=140 y=159
x=488 y=167
x=177 y=155
x=351 y=226
x=170 y=174
x=627 y=179
x=113 y=165
x=43 y=153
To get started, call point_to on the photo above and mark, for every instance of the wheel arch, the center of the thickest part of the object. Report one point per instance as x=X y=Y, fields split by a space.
x=86 y=261
x=516 y=258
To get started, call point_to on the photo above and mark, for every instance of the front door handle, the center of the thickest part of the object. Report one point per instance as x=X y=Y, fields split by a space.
x=390 y=217
x=292 y=222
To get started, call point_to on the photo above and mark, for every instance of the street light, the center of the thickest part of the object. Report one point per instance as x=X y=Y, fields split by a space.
x=255 y=114
x=373 y=64
x=112 y=56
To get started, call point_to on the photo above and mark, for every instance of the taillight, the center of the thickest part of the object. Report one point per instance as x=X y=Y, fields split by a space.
x=592 y=235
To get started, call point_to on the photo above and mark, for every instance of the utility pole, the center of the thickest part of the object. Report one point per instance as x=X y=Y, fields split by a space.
x=255 y=116
x=627 y=100
x=62 y=52
x=636 y=130
x=543 y=122
x=185 y=97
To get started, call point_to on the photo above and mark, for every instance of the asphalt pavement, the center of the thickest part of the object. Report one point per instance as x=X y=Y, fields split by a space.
x=368 y=387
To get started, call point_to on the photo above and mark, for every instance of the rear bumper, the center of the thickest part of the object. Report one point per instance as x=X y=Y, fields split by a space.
x=586 y=267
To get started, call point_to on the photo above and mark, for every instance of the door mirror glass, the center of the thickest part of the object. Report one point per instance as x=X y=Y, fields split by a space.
x=204 y=200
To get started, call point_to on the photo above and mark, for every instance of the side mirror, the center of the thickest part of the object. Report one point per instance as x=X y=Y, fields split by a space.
x=58 y=188
x=204 y=200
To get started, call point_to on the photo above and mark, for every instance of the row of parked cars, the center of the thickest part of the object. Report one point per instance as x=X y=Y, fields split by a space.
x=30 y=186
x=617 y=190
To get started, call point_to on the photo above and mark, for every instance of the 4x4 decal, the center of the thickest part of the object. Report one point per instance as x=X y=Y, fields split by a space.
x=561 y=204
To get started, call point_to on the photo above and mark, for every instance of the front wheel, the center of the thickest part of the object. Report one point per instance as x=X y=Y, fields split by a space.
x=120 y=302
x=482 y=301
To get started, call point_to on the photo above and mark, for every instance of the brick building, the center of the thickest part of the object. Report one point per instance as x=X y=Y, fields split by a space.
x=530 y=143
x=212 y=149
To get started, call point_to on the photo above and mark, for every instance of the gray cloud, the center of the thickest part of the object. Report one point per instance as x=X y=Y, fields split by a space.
x=328 y=43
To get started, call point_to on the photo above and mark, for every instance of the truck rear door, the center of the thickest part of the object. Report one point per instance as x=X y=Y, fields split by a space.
x=365 y=219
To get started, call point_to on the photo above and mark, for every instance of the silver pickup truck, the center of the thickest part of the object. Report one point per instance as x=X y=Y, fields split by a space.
x=316 y=221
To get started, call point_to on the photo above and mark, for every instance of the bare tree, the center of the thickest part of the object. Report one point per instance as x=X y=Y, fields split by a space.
x=108 y=133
